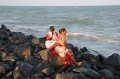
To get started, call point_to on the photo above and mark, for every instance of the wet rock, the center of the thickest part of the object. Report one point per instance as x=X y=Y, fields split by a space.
x=71 y=46
x=65 y=75
x=9 y=74
x=47 y=78
x=80 y=76
x=40 y=66
x=4 y=32
x=5 y=66
x=86 y=65
x=20 y=36
x=2 y=46
x=25 y=64
x=48 y=71
x=114 y=71
x=18 y=75
x=88 y=72
x=37 y=76
x=42 y=45
x=32 y=60
x=113 y=60
x=97 y=64
x=24 y=70
x=107 y=74
x=36 y=41
x=23 y=50
x=11 y=48
x=10 y=58
x=3 y=27
x=2 y=71
x=88 y=54
x=101 y=58
x=53 y=60
x=30 y=37
x=2 y=54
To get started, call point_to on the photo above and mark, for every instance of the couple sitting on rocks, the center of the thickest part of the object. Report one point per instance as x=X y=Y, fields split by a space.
x=58 y=46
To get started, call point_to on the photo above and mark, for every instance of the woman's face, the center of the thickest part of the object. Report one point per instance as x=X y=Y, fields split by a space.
x=64 y=32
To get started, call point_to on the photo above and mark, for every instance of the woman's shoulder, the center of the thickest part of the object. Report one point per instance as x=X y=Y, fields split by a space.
x=56 y=33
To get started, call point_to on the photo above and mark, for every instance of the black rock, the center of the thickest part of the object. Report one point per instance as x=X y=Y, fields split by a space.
x=48 y=71
x=88 y=54
x=65 y=75
x=24 y=70
x=37 y=76
x=24 y=63
x=23 y=50
x=71 y=46
x=18 y=75
x=113 y=60
x=107 y=74
x=2 y=54
x=5 y=66
x=47 y=78
x=53 y=60
x=88 y=72
x=10 y=58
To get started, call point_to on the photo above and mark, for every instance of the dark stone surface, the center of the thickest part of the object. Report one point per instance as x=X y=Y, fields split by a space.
x=107 y=74
x=113 y=60
x=48 y=71
x=88 y=72
x=23 y=50
x=17 y=75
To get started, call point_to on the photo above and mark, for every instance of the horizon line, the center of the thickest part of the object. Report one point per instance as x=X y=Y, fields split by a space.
x=61 y=5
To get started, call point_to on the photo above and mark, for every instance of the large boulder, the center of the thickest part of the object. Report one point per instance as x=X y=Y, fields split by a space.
x=40 y=42
x=71 y=46
x=65 y=75
x=113 y=60
x=47 y=78
x=4 y=68
x=25 y=64
x=38 y=64
x=37 y=76
x=10 y=58
x=88 y=72
x=53 y=60
x=4 y=32
x=107 y=74
x=19 y=36
x=36 y=41
x=32 y=60
x=23 y=50
x=88 y=54
x=48 y=71
x=18 y=75
x=2 y=54
x=25 y=70
x=5 y=65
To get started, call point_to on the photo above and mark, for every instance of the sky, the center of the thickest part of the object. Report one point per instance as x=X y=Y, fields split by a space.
x=58 y=2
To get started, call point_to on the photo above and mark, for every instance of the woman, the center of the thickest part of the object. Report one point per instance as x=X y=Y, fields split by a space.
x=62 y=49
x=51 y=37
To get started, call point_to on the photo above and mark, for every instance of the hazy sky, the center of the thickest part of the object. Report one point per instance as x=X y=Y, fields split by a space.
x=58 y=2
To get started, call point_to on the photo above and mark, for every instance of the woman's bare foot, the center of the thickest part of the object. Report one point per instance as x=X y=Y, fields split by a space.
x=79 y=63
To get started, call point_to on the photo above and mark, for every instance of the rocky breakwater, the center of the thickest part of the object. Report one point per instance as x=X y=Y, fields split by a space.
x=26 y=57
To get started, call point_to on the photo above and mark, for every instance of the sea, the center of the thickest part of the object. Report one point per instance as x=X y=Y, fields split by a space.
x=94 y=27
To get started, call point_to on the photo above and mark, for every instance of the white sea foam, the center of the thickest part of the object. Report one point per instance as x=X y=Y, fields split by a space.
x=100 y=38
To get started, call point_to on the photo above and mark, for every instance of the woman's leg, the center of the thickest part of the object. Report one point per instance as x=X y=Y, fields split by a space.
x=72 y=58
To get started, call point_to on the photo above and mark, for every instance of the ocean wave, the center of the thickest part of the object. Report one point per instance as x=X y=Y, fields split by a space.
x=99 y=38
